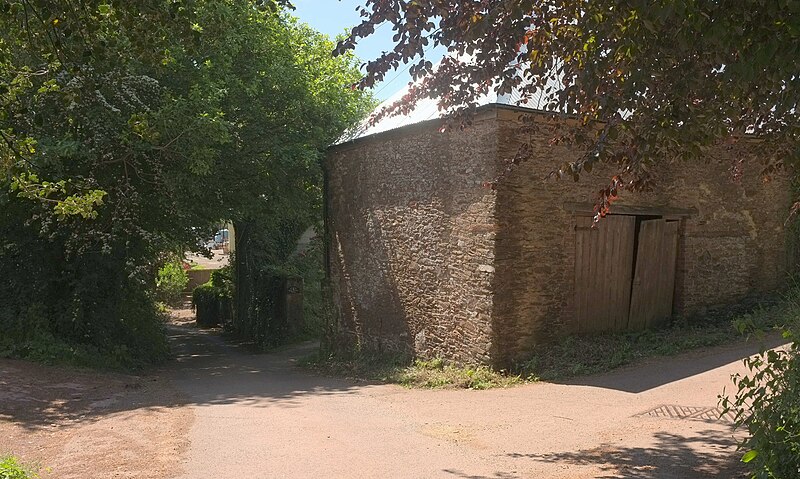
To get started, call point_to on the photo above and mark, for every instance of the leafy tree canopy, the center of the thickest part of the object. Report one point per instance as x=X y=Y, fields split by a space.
x=665 y=79
x=181 y=109
x=129 y=128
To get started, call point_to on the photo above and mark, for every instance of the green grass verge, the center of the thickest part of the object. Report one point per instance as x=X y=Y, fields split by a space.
x=433 y=374
x=437 y=373
x=570 y=356
x=581 y=355
x=10 y=468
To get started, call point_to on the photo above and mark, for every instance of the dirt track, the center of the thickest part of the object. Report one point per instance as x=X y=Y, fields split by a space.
x=218 y=411
x=85 y=425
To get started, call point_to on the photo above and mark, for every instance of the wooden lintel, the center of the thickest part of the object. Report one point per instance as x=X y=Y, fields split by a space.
x=665 y=211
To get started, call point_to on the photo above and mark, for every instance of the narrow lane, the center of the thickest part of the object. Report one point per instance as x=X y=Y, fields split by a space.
x=259 y=416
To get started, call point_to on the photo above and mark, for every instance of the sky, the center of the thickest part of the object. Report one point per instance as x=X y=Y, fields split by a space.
x=334 y=17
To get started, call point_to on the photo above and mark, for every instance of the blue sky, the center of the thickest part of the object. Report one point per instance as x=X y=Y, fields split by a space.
x=334 y=17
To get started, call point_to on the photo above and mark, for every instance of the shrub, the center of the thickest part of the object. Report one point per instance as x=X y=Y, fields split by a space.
x=171 y=281
x=309 y=266
x=130 y=336
x=206 y=305
x=767 y=403
x=10 y=468
x=212 y=301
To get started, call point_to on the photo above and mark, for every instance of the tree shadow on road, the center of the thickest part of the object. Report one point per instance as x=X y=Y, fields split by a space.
x=463 y=475
x=206 y=370
x=36 y=396
x=212 y=371
x=672 y=456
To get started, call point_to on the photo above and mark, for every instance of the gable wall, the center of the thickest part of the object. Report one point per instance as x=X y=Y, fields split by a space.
x=411 y=240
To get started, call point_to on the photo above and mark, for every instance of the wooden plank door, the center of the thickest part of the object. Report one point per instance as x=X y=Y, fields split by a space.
x=669 y=261
x=603 y=271
x=654 y=273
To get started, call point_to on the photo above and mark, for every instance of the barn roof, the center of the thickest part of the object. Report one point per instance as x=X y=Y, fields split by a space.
x=428 y=109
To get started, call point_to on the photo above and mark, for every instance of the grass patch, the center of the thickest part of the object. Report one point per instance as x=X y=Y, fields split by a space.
x=437 y=373
x=581 y=355
x=10 y=468
x=431 y=374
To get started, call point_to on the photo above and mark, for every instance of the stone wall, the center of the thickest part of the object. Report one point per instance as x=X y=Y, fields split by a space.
x=425 y=260
x=732 y=246
x=411 y=240
x=197 y=277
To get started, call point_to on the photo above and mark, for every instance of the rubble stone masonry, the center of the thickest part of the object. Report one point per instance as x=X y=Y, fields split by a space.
x=427 y=261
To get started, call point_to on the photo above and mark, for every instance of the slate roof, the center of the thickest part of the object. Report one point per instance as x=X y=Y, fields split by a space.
x=428 y=109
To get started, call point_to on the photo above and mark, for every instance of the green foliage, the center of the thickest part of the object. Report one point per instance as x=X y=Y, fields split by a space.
x=10 y=468
x=399 y=369
x=65 y=303
x=263 y=318
x=581 y=355
x=171 y=280
x=83 y=204
x=133 y=340
x=290 y=189
x=126 y=130
x=205 y=301
x=308 y=265
x=265 y=258
x=767 y=404
x=212 y=301
x=259 y=315
x=436 y=373
x=767 y=401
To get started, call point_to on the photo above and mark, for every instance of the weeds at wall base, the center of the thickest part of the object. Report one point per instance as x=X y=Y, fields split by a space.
x=569 y=357
x=400 y=369
x=582 y=355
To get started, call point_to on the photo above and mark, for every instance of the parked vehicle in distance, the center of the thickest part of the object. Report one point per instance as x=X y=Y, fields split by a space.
x=221 y=238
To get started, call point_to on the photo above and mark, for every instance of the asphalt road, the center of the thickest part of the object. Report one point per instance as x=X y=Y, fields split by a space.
x=259 y=416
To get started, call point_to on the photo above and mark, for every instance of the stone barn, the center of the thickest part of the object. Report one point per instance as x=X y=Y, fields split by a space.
x=423 y=259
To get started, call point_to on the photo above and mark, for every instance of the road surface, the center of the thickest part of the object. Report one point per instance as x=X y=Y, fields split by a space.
x=258 y=416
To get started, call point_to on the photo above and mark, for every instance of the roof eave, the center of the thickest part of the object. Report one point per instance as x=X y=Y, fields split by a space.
x=427 y=123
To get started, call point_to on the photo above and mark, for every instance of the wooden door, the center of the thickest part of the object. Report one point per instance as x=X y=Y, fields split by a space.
x=654 y=273
x=603 y=271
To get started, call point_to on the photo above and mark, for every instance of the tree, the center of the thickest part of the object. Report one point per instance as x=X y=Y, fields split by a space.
x=128 y=129
x=650 y=81
x=288 y=177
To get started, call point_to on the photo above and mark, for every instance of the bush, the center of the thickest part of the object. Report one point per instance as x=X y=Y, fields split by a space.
x=309 y=266
x=767 y=403
x=130 y=336
x=10 y=468
x=76 y=296
x=212 y=301
x=261 y=314
x=171 y=281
